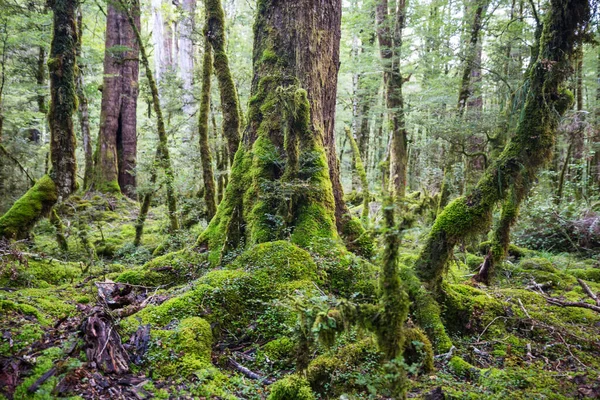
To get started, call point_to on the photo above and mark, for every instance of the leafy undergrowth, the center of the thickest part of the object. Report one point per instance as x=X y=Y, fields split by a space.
x=190 y=330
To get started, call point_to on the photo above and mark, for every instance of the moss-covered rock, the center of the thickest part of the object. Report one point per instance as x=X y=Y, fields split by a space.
x=587 y=274
x=418 y=350
x=292 y=387
x=538 y=264
x=459 y=367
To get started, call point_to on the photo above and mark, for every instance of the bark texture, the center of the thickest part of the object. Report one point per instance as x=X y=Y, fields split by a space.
x=280 y=186
x=389 y=33
x=117 y=140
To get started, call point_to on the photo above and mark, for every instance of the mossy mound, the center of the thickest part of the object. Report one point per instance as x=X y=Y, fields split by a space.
x=171 y=269
x=538 y=264
x=280 y=261
x=587 y=274
x=340 y=370
x=182 y=351
x=461 y=368
x=418 y=351
x=514 y=251
x=38 y=273
x=468 y=310
x=292 y=387
x=242 y=297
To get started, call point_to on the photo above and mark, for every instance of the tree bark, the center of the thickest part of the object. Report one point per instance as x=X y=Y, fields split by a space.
x=280 y=185
x=84 y=116
x=117 y=141
x=389 y=33
x=206 y=158
x=162 y=153
x=215 y=33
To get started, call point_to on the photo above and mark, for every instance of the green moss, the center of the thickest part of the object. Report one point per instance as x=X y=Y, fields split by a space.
x=418 y=350
x=340 y=371
x=42 y=364
x=461 y=368
x=538 y=264
x=279 y=348
x=588 y=274
x=171 y=269
x=279 y=261
x=268 y=55
x=292 y=387
x=357 y=239
x=22 y=216
x=182 y=351
x=473 y=261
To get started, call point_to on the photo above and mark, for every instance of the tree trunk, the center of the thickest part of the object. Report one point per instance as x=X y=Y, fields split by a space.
x=215 y=32
x=84 y=115
x=40 y=78
x=389 y=33
x=162 y=153
x=186 y=55
x=61 y=182
x=527 y=151
x=206 y=158
x=280 y=185
x=472 y=52
x=117 y=140
x=362 y=175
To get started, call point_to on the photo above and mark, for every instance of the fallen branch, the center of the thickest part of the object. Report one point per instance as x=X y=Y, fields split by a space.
x=250 y=374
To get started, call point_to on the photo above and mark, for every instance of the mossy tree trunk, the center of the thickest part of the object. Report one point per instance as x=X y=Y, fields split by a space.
x=215 y=33
x=162 y=152
x=362 y=174
x=83 y=112
x=117 y=141
x=526 y=152
x=61 y=181
x=389 y=32
x=206 y=158
x=280 y=186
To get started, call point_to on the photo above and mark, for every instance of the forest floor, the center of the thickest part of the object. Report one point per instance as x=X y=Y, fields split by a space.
x=137 y=323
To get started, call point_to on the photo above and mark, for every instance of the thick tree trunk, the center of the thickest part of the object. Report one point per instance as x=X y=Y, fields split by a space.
x=528 y=150
x=280 y=185
x=117 y=140
x=215 y=32
x=389 y=33
x=61 y=182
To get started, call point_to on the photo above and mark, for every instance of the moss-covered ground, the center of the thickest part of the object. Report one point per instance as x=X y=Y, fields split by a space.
x=235 y=330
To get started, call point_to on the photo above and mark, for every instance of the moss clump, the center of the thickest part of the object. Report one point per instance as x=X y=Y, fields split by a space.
x=279 y=261
x=418 y=350
x=36 y=203
x=171 y=269
x=357 y=239
x=473 y=261
x=426 y=311
x=43 y=364
x=588 y=274
x=182 y=351
x=538 y=264
x=280 y=350
x=468 y=309
x=292 y=387
x=459 y=367
x=338 y=372
x=38 y=273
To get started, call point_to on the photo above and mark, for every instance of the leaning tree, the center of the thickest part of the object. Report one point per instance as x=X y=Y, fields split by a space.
x=61 y=180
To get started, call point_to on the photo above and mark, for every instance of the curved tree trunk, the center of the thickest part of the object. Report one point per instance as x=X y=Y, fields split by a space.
x=280 y=185
x=527 y=151
x=117 y=140
x=61 y=182
x=83 y=112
